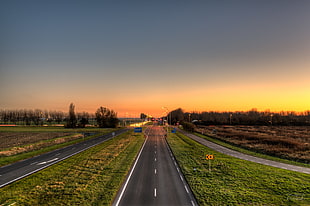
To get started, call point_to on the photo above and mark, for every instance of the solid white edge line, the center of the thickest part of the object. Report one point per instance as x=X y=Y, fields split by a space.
x=132 y=169
x=186 y=189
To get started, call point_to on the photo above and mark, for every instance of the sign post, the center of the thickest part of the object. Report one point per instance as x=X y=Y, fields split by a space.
x=138 y=129
x=209 y=157
x=174 y=130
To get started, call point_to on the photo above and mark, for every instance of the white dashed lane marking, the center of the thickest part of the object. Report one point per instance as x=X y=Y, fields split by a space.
x=42 y=163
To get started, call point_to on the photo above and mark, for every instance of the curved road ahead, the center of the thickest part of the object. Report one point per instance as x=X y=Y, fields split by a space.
x=240 y=155
x=155 y=178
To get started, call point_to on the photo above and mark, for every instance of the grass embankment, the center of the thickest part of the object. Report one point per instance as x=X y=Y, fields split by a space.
x=32 y=141
x=92 y=177
x=233 y=181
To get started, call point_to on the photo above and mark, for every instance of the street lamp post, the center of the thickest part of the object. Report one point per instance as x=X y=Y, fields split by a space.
x=167 y=112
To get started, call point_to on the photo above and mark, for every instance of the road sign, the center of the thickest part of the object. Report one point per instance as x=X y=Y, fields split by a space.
x=209 y=157
x=138 y=129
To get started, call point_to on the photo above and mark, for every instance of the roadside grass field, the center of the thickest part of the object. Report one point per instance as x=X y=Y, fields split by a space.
x=18 y=143
x=249 y=152
x=232 y=181
x=286 y=142
x=92 y=177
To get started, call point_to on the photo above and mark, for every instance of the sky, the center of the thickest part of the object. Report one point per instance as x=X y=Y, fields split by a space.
x=140 y=56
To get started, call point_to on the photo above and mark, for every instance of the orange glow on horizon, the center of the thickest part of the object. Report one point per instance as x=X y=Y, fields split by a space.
x=276 y=95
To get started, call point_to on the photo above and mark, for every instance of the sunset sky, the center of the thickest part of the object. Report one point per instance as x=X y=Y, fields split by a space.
x=138 y=56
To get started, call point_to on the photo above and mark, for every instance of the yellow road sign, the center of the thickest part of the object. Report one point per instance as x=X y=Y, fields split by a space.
x=209 y=157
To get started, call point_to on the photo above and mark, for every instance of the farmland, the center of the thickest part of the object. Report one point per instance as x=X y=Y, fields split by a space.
x=17 y=140
x=287 y=142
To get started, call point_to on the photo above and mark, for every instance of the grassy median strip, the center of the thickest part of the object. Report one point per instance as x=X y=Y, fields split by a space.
x=226 y=180
x=92 y=177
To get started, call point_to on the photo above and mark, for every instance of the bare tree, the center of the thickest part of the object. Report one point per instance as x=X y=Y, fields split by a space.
x=71 y=120
x=106 y=117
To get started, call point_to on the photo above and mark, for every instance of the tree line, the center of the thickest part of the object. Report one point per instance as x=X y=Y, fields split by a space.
x=30 y=116
x=103 y=117
x=252 y=117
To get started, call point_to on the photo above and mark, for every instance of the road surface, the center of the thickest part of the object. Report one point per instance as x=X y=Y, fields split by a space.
x=240 y=155
x=19 y=170
x=155 y=178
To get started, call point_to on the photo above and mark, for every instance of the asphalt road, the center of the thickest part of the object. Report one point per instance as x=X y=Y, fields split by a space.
x=240 y=155
x=155 y=178
x=19 y=170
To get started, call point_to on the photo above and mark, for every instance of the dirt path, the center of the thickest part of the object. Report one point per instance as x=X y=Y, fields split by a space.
x=240 y=155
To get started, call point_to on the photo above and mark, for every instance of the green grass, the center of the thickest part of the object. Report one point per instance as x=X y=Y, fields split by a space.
x=246 y=151
x=92 y=177
x=233 y=181
x=14 y=158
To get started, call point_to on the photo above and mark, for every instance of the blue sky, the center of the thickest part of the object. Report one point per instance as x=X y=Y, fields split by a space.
x=133 y=56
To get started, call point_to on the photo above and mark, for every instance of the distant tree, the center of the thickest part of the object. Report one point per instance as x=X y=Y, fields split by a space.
x=82 y=123
x=37 y=117
x=59 y=116
x=71 y=120
x=188 y=126
x=143 y=116
x=176 y=116
x=83 y=119
x=106 y=118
